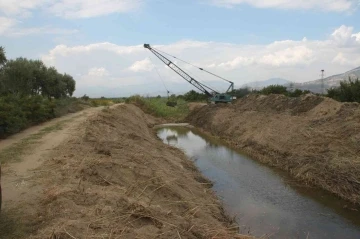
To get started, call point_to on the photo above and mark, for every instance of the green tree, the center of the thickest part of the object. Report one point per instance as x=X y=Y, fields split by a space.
x=2 y=62
x=274 y=89
x=241 y=92
x=18 y=76
x=69 y=84
x=348 y=91
x=2 y=56
x=195 y=96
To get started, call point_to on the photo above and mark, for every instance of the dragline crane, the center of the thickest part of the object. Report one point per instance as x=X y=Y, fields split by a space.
x=215 y=97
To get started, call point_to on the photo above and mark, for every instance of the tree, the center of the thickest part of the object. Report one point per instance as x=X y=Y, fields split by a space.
x=241 y=92
x=194 y=96
x=2 y=62
x=274 y=89
x=18 y=77
x=69 y=84
x=2 y=56
x=348 y=91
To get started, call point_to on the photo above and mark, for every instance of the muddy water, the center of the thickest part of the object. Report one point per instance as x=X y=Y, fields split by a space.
x=264 y=200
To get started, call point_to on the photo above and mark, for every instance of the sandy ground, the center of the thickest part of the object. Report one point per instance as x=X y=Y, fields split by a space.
x=315 y=139
x=105 y=174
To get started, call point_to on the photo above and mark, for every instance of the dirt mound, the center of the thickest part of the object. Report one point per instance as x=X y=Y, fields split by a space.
x=196 y=105
x=279 y=104
x=115 y=179
x=314 y=138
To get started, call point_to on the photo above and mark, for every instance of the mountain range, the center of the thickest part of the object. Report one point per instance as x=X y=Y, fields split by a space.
x=329 y=82
x=314 y=86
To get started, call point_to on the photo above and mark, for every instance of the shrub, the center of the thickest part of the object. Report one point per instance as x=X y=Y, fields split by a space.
x=348 y=91
x=274 y=89
x=18 y=112
x=241 y=92
x=193 y=96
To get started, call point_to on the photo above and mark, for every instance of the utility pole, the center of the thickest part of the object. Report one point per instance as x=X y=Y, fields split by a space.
x=322 y=81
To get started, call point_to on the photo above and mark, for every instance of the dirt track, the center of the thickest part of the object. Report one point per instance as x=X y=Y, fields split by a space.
x=316 y=139
x=107 y=175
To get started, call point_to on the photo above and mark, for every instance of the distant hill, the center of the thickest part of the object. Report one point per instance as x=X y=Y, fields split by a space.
x=314 y=86
x=329 y=82
x=265 y=83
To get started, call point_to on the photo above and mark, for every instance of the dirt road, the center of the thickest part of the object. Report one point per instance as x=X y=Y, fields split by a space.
x=15 y=174
x=104 y=173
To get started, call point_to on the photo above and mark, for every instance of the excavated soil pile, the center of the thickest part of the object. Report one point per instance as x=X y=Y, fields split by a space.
x=115 y=179
x=314 y=138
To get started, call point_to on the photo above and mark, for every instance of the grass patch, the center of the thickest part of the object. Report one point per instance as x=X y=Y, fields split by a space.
x=158 y=107
x=14 y=152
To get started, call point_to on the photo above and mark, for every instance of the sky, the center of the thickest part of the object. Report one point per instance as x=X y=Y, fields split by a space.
x=100 y=42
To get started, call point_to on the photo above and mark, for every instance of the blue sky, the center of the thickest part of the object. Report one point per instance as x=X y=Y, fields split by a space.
x=99 y=42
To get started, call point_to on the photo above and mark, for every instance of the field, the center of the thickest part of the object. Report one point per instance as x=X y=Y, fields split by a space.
x=157 y=107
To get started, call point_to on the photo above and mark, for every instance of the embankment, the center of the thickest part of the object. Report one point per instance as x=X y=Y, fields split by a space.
x=315 y=139
x=115 y=179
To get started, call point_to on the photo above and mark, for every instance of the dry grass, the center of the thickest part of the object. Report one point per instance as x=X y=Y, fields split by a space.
x=115 y=179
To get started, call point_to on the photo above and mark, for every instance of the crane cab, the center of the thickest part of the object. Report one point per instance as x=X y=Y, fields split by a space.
x=221 y=98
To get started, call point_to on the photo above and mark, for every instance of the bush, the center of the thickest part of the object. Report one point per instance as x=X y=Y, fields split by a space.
x=241 y=92
x=193 y=96
x=19 y=112
x=274 y=89
x=348 y=91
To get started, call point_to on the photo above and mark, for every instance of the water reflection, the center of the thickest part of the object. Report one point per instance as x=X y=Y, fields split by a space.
x=263 y=199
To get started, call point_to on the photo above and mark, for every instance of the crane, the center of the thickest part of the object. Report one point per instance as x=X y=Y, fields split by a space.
x=215 y=97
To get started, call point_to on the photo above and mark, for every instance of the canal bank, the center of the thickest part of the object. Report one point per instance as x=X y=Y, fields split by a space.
x=264 y=200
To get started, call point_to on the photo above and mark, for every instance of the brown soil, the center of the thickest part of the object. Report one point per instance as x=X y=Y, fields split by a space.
x=195 y=105
x=315 y=139
x=113 y=178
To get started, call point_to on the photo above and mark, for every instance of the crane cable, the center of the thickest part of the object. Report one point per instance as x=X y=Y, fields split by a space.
x=167 y=91
x=202 y=69
x=201 y=81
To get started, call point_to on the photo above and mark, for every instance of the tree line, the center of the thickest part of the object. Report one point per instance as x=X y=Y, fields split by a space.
x=30 y=93
x=32 y=77
x=348 y=91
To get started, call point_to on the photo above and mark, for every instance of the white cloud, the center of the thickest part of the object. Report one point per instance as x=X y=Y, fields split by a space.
x=322 y=5
x=86 y=8
x=238 y=61
x=12 y=28
x=143 y=65
x=98 y=72
x=68 y=8
x=6 y=24
x=344 y=36
x=21 y=8
x=18 y=32
x=346 y=60
x=104 y=46
x=297 y=55
x=296 y=60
